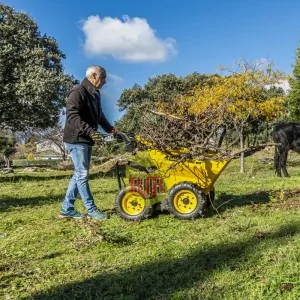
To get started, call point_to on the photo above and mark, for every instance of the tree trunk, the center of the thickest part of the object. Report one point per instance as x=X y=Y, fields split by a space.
x=242 y=145
x=7 y=162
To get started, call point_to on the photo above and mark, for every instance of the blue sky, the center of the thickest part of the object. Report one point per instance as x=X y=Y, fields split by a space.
x=135 y=40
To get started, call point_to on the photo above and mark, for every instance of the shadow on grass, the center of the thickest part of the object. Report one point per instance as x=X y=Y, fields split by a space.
x=7 y=203
x=225 y=201
x=38 y=177
x=229 y=201
x=164 y=277
x=32 y=177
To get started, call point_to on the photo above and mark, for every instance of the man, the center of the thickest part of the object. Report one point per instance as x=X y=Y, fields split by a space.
x=84 y=114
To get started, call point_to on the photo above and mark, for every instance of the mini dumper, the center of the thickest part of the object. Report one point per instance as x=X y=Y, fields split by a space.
x=155 y=180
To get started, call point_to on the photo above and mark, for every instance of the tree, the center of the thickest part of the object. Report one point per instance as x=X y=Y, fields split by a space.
x=53 y=138
x=33 y=84
x=294 y=93
x=7 y=146
x=131 y=120
x=132 y=97
x=27 y=148
x=196 y=79
x=162 y=88
x=237 y=101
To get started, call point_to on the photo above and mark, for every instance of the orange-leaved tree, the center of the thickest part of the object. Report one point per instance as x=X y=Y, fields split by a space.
x=236 y=100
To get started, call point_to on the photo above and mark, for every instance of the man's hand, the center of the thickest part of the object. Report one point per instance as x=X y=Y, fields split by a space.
x=97 y=137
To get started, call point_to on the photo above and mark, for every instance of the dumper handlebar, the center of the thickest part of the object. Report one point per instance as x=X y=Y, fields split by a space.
x=119 y=137
x=124 y=136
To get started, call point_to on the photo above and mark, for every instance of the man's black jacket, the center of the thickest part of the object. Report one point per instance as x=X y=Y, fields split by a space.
x=84 y=114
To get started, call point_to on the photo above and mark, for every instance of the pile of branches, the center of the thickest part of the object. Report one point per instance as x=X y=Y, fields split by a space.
x=203 y=138
x=214 y=135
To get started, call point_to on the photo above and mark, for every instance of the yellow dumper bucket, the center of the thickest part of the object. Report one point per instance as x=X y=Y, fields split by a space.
x=203 y=173
x=184 y=185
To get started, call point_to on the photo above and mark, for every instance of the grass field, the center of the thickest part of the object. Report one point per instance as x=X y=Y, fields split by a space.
x=248 y=247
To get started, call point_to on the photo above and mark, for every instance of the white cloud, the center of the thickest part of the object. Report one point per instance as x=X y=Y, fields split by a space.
x=130 y=39
x=115 y=78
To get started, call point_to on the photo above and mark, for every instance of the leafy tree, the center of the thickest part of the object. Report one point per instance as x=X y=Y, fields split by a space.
x=196 y=79
x=162 y=88
x=7 y=146
x=133 y=118
x=33 y=84
x=28 y=148
x=133 y=100
x=132 y=97
x=239 y=101
x=294 y=93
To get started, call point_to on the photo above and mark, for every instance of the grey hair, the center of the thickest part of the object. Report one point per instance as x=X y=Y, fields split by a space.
x=94 y=69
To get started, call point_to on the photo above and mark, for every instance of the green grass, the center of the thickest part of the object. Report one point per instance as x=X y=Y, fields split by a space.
x=249 y=248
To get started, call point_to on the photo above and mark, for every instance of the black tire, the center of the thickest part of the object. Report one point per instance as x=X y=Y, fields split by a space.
x=186 y=201
x=131 y=205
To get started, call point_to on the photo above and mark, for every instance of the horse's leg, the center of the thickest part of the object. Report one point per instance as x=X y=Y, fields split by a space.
x=277 y=162
x=283 y=160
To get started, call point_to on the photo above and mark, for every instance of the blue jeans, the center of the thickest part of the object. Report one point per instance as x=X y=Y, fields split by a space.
x=79 y=184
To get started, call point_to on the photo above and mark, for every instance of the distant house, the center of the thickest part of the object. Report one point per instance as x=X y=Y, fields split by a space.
x=48 y=150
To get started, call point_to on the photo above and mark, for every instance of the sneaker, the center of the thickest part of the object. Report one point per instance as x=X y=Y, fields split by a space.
x=70 y=214
x=96 y=214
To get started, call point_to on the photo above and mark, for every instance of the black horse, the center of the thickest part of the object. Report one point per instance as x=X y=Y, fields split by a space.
x=287 y=136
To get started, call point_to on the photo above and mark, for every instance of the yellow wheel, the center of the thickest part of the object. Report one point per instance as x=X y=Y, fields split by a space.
x=131 y=205
x=186 y=201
